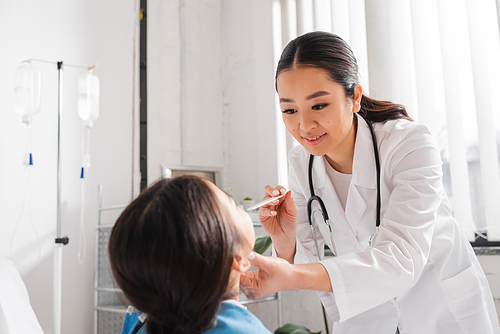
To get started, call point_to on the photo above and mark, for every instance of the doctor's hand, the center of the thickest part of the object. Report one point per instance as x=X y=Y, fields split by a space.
x=274 y=274
x=279 y=220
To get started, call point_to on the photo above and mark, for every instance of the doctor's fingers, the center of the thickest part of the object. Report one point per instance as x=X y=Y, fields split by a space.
x=289 y=206
x=283 y=204
x=274 y=274
x=248 y=285
x=266 y=212
x=274 y=191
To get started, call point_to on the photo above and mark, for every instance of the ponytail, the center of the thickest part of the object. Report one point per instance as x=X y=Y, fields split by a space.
x=381 y=111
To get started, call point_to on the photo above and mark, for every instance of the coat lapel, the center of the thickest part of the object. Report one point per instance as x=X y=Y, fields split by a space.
x=344 y=238
x=364 y=176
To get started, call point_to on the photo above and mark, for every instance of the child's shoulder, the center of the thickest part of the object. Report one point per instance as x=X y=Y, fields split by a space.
x=134 y=322
x=235 y=318
x=232 y=318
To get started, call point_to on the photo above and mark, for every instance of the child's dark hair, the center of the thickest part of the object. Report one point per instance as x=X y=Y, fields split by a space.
x=171 y=252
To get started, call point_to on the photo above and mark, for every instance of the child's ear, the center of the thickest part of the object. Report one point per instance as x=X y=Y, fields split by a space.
x=240 y=263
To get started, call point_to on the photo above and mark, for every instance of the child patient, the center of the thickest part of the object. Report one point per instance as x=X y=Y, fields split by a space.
x=177 y=252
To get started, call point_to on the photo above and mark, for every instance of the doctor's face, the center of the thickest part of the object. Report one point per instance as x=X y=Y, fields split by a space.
x=317 y=112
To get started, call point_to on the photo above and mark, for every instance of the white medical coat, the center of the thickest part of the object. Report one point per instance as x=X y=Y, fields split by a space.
x=421 y=273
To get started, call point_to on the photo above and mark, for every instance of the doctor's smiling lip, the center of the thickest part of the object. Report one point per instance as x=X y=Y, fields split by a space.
x=314 y=140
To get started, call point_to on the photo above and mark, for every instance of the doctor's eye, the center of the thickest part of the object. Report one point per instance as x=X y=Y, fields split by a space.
x=289 y=111
x=319 y=106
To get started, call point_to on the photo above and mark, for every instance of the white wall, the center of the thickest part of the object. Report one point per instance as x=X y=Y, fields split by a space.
x=215 y=107
x=77 y=32
x=248 y=98
x=184 y=91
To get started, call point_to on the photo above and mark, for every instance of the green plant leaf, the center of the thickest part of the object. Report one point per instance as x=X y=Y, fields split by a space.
x=293 y=329
x=247 y=199
x=324 y=319
x=262 y=244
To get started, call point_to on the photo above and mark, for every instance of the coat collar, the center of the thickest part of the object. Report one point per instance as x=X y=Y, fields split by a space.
x=364 y=171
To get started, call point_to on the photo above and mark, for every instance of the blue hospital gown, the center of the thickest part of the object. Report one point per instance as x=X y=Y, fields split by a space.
x=233 y=318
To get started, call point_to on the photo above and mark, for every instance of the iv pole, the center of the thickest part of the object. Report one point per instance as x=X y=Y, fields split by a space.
x=60 y=242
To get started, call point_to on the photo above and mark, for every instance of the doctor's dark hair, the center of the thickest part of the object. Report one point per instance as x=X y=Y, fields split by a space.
x=331 y=53
x=171 y=252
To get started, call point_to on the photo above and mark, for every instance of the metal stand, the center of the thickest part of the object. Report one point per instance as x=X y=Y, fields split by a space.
x=109 y=311
x=59 y=242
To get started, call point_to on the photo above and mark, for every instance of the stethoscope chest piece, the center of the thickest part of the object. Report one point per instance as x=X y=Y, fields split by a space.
x=371 y=241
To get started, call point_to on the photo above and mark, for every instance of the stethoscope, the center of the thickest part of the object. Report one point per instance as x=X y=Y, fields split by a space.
x=324 y=212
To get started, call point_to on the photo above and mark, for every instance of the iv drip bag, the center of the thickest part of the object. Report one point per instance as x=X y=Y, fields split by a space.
x=88 y=98
x=28 y=91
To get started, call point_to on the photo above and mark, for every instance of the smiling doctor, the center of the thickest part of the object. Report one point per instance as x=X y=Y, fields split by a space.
x=366 y=181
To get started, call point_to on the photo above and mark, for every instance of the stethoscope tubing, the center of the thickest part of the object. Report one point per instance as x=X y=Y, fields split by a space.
x=377 y=166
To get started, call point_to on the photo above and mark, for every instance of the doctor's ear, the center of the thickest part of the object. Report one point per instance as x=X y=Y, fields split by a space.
x=358 y=95
x=240 y=263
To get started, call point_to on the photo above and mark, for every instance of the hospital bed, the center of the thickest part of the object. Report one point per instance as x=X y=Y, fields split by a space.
x=16 y=314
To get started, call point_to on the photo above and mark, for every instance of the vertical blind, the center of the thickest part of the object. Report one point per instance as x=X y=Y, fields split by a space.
x=441 y=59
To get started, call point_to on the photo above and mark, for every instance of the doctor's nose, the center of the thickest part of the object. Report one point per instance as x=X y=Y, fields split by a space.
x=307 y=123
